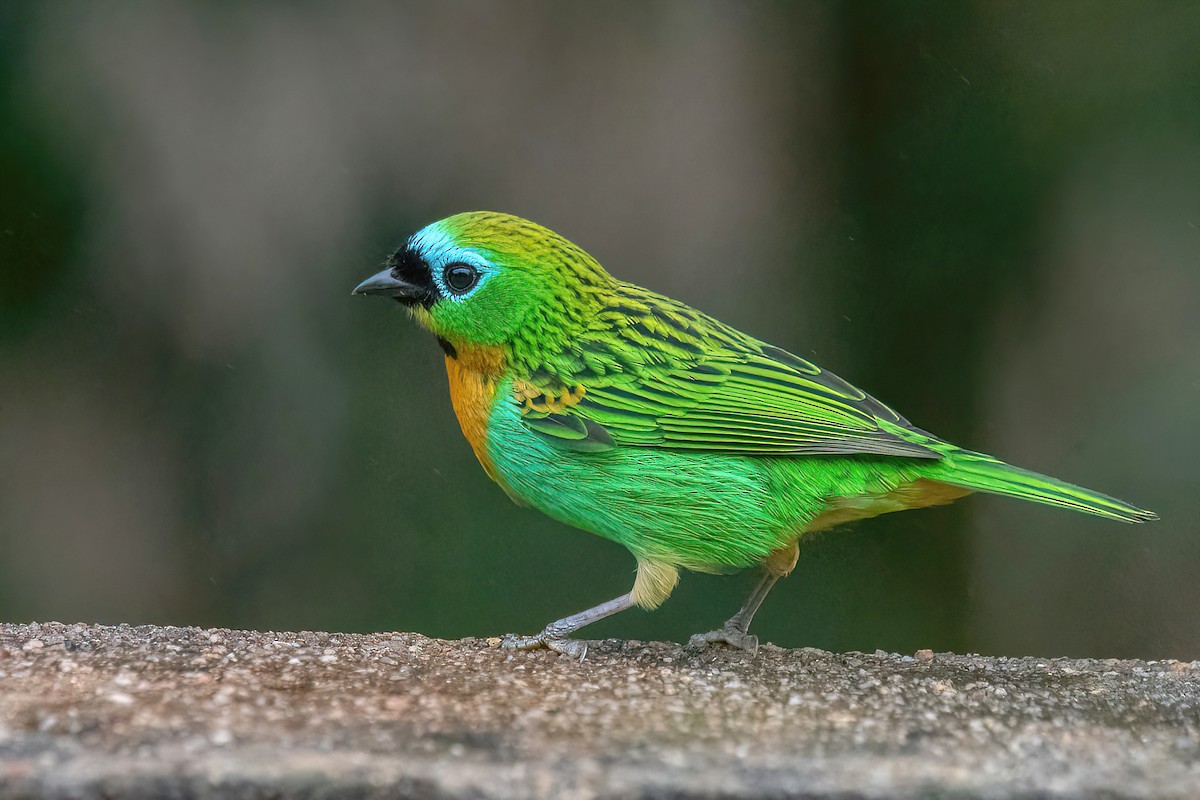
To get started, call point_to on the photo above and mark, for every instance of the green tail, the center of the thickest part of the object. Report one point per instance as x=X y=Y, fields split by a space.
x=983 y=473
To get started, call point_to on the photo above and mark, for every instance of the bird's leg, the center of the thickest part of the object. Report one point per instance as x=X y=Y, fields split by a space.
x=736 y=630
x=653 y=584
x=554 y=635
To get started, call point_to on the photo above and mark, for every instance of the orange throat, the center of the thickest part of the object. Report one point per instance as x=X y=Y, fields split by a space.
x=474 y=376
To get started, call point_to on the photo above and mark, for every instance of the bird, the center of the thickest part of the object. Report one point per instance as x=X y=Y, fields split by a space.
x=633 y=416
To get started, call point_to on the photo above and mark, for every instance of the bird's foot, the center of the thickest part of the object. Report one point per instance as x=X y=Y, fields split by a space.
x=729 y=635
x=571 y=648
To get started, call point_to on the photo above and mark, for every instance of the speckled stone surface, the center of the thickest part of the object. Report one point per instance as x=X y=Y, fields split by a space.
x=91 y=711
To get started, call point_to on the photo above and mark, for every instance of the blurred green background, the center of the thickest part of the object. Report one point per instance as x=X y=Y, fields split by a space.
x=985 y=213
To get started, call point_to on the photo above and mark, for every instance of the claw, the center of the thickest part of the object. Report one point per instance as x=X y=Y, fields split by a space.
x=728 y=635
x=572 y=648
x=514 y=641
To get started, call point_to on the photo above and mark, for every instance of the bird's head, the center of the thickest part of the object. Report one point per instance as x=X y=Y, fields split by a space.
x=489 y=279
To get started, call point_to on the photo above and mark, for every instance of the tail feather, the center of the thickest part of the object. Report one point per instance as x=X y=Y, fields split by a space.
x=983 y=473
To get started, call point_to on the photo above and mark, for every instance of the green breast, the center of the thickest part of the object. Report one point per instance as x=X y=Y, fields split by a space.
x=697 y=510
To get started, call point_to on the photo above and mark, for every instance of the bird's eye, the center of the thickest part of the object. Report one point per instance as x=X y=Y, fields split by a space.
x=460 y=277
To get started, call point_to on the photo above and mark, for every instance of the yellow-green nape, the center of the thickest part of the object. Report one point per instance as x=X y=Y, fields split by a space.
x=485 y=227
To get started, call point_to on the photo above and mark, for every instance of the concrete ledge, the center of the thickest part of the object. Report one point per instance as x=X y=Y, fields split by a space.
x=92 y=711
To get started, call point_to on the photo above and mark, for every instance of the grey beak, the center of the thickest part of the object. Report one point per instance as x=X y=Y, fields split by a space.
x=388 y=285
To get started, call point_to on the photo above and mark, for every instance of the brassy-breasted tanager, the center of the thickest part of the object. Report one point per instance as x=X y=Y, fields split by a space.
x=633 y=416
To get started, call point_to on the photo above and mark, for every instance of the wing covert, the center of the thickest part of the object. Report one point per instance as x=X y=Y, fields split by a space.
x=655 y=373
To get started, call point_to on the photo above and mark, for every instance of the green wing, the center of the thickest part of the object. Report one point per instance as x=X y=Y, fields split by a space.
x=652 y=372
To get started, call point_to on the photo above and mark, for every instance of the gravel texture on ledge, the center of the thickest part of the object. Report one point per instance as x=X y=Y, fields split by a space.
x=92 y=711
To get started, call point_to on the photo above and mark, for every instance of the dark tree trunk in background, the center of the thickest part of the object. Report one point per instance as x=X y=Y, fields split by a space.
x=934 y=220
